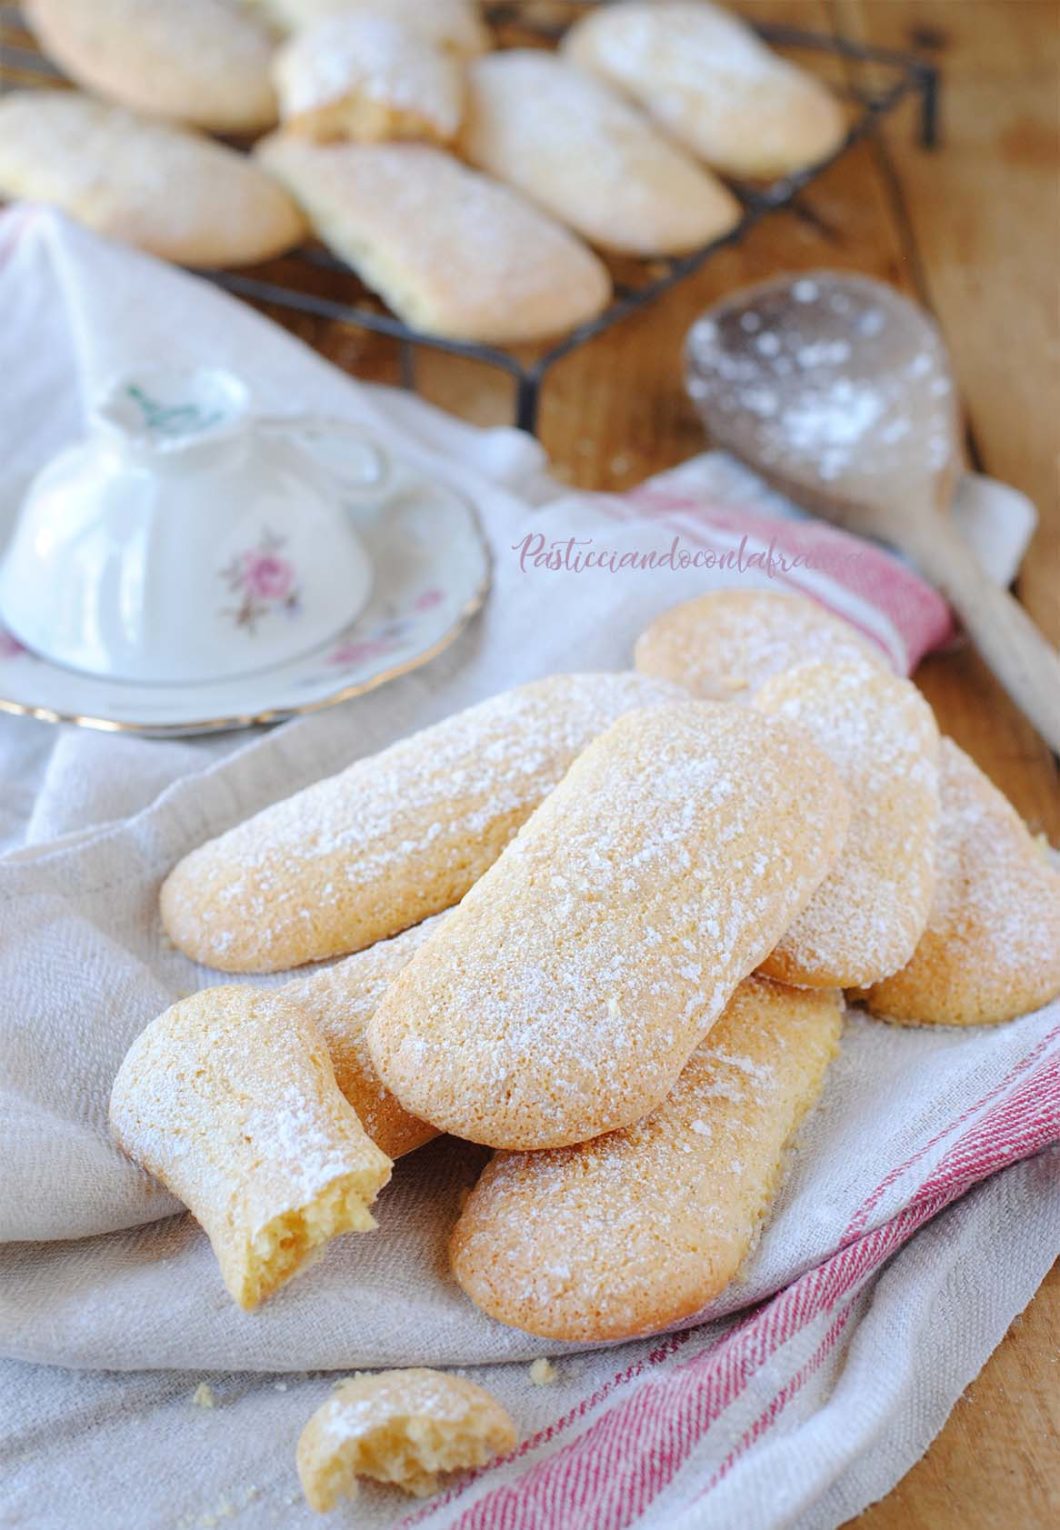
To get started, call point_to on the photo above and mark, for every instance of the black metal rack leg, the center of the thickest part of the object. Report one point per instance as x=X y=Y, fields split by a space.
x=527 y=397
x=929 y=107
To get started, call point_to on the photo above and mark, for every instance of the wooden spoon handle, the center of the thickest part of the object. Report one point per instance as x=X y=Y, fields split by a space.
x=1027 y=666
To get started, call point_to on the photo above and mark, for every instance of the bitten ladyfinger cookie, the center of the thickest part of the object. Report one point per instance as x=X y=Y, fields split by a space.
x=722 y=646
x=229 y=1098
x=341 y=1000
x=991 y=949
x=566 y=993
x=396 y=837
x=362 y=76
x=866 y=918
x=455 y=25
x=645 y=1227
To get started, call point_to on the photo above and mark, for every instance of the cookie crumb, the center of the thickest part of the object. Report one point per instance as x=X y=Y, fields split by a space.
x=543 y=1373
x=340 y=1381
x=203 y=1396
x=224 y=1510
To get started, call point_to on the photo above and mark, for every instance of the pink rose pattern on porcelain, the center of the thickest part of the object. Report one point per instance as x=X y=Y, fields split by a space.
x=263 y=581
x=387 y=637
x=432 y=573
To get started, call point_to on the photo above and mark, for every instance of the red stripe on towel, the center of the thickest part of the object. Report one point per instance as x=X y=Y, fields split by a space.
x=610 y=1474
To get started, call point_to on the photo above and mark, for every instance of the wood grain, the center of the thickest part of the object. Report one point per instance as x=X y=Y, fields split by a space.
x=979 y=223
x=994 y=1466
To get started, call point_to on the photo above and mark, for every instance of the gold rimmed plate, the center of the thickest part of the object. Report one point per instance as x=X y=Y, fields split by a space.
x=431 y=569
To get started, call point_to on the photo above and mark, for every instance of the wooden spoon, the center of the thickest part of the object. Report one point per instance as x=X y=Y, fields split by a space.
x=839 y=391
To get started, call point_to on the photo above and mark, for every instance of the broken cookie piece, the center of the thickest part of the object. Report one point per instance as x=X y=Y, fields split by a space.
x=229 y=1098
x=403 y=1427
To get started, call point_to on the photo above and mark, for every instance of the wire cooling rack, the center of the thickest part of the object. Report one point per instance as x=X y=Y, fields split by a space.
x=897 y=77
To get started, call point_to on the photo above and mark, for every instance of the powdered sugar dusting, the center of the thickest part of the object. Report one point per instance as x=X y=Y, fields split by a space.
x=451 y=24
x=371 y=1401
x=571 y=144
x=839 y=381
x=565 y=994
x=449 y=249
x=711 y=83
x=991 y=949
x=643 y=1226
x=396 y=837
x=370 y=55
x=988 y=864
x=230 y=1100
x=724 y=644
x=866 y=918
x=175 y=193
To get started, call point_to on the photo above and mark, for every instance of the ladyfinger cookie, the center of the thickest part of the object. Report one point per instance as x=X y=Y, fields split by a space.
x=151 y=184
x=229 y=1099
x=341 y=999
x=722 y=646
x=570 y=144
x=643 y=1228
x=396 y=837
x=451 y=251
x=866 y=918
x=455 y=25
x=711 y=84
x=361 y=76
x=202 y=62
x=991 y=949
x=566 y=993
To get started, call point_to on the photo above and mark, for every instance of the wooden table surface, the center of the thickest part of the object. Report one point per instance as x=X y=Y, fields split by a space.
x=973 y=231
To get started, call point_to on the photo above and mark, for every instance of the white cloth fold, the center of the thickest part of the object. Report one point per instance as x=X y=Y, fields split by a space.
x=846 y=1423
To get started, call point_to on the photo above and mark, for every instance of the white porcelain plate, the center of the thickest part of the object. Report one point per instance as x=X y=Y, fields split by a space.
x=431 y=574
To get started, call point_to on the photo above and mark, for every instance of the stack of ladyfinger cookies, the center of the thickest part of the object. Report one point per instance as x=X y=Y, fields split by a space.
x=476 y=191
x=602 y=924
